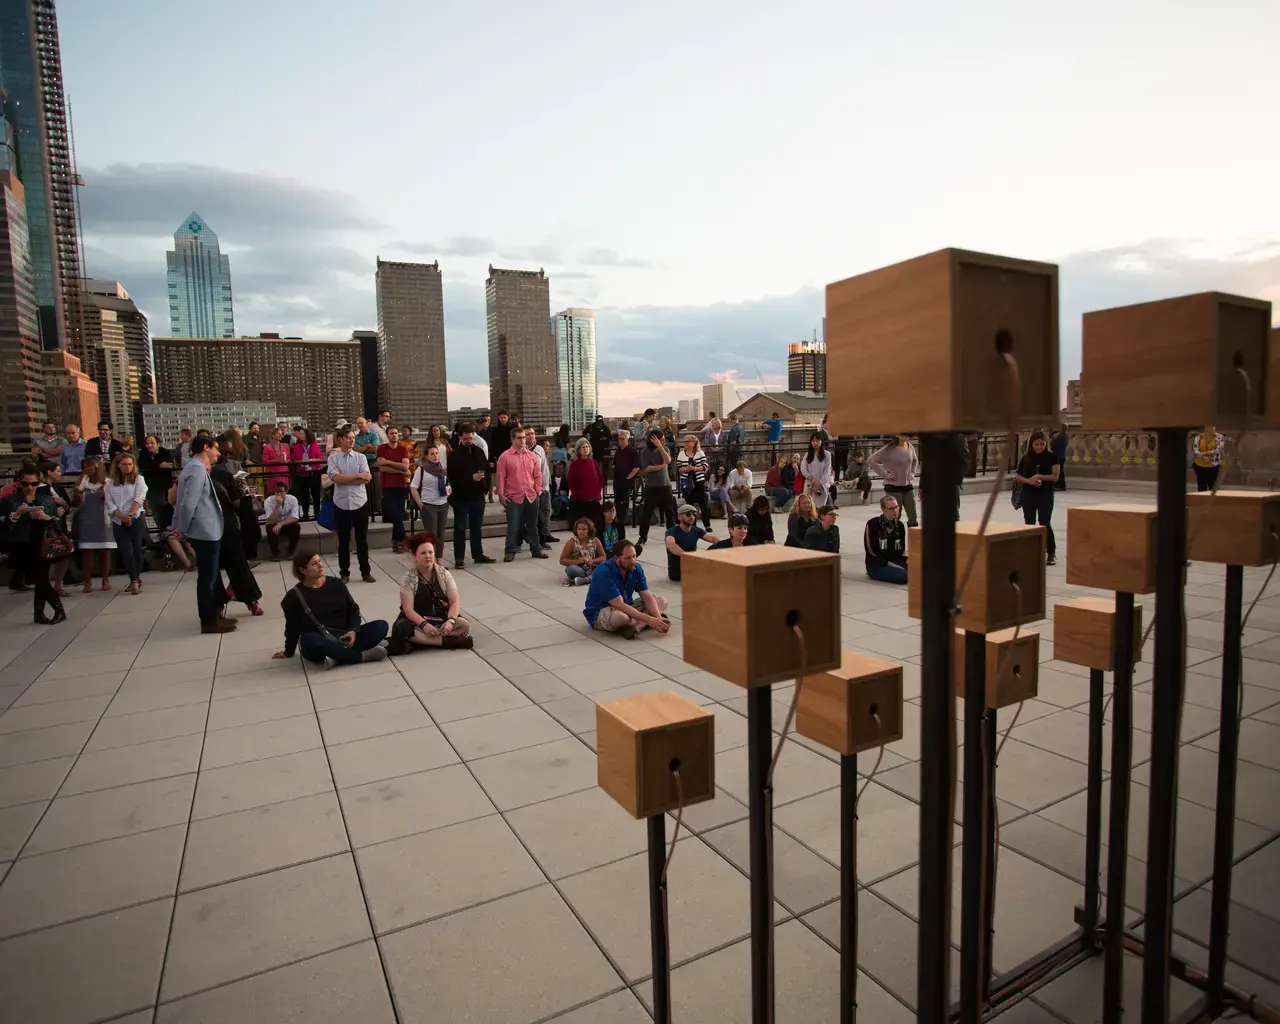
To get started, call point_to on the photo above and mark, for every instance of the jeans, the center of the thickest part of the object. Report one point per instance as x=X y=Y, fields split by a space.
x=889 y=573
x=544 y=514
x=578 y=572
x=290 y=532
x=782 y=497
x=1038 y=501
x=359 y=519
x=622 y=499
x=130 y=541
x=523 y=514
x=316 y=646
x=393 y=499
x=434 y=518
x=655 y=499
x=467 y=514
x=208 y=578
x=907 y=499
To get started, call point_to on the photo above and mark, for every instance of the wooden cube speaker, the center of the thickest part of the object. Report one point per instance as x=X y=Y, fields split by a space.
x=1012 y=666
x=1234 y=527
x=1273 y=385
x=1006 y=554
x=740 y=605
x=1084 y=632
x=641 y=740
x=839 y=708
x=1173 y=363
x=946 y=317
x=1112 y=547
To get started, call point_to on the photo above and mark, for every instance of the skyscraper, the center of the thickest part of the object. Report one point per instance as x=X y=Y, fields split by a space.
x=719 y=398
x=22 y=405
x=199 y=283
x=70 y=396
x=807 y=366
x=411 y=369
x=31 y=72
x=522 y=349
x=106 y=302
x=575 y=334
x=370 y=388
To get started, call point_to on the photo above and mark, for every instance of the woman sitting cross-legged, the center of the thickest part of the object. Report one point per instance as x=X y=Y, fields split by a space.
x=323 y=620
x=429 y=603
x=885 y=543
x=581 y=554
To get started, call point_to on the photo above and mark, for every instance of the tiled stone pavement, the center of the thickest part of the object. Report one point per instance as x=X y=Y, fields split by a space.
x=190 y=831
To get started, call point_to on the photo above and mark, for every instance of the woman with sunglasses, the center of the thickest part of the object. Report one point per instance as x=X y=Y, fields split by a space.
x=30 y=510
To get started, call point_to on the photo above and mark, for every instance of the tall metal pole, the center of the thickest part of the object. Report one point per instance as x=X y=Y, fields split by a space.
x=658 y=919
x=1118 y=827
x=1093 y=814
x=973 y=869
x=760 y=824
x=848 y=888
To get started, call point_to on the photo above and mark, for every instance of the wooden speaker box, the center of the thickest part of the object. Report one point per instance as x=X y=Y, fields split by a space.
x=740 y=605
x=1112 y=547
x=945 y=318
x=1084 y=632
x=1020 y=682
x=1173 y=363
x=1234 y=527
x=1006 y=554
x=1273 y=385
x=641 y=741
x=839 y=708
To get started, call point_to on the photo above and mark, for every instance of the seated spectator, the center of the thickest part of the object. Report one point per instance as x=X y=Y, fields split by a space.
x=581 y=553
x=885 y=542
x=280 y=517
x=824 y=535
x=682 y=537
x=760 y=521
x=740 y=485
x=739 y=527
x=322 y=619
x=801 y=517
x=718 y=489
x=780 y=481
x=614 y=530
x=619 y=599
x=559 y=491
x=429 y=604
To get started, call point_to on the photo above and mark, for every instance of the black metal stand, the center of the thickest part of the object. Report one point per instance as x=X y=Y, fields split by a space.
x=937 y=729
x=760 y=824
x=1224 y=820
x=848 y=888
x=974 y=969
x=658 y=919
x=1166 y=718
x=1093 y=813
x=1118 y=828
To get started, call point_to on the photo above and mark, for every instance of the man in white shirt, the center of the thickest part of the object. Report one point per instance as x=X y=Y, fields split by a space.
x=348 y=472
x=280 y=515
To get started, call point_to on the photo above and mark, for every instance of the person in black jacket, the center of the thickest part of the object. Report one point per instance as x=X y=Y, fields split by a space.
x=598 y=434
x=468 y=473
x=885 y=543
x=760 y=521
x=824 y=535
x=322 y=619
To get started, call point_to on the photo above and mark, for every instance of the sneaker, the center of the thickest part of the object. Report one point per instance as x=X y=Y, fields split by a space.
x=1051 y=560
x=221 y=626
x=582 y=581
x=484 y=560
x=510 y=556
x=378 y=653
x=345 y=577
x=628 y=632
x=460 y=563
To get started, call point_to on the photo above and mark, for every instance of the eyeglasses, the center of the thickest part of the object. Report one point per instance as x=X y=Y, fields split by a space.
x=28 y=483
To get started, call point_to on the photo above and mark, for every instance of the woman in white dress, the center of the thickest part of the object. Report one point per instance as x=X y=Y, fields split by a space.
x=93 y=529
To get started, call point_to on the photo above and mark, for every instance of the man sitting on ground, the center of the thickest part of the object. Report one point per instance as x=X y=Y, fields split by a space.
x=682 y=537
x=824 y=535
x=619 y=599
x=885 y=542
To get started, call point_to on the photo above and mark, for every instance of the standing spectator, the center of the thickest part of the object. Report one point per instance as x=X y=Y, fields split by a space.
x=126 y=445
x=544 y=496
x=430 y=490
x=802 y=516
x=382 y=425
x=519 y=482
x=691 y=477
x=230 y=474
x=275 y=456
x=682 y=537
x=430 y=606
x=760 y=521
x=467 y=476
x=29 y=512
x=815 y=468
x=586 y=486
x=71 y=456
x=885 y=543
x=280 y=516
x=93 y=524
x=305 y=458
x=156 y=464
x=183 y=451
x=47 y=444
x=394 y=470
x=561 y=443
x=581 y=553
x=1206 y=457
x=1037 y=469
x=713 y=432
x=436 y=436
x=858 y=473
x=104 y=446
x=253 y=442
x=1058 y=445
x=366 y=443
x=824 y=535
x=654 y=460
x=626 y=467
x=740 y=485
x=499 y=440
x=774 y=426
x=780 y=481
x=737 y=440
x=126 y=494
x=322 y=619
x=233 y=558
x=197 y=518
x=349 y=472
x=739 y=534
x=899 y=465
x=598 y=434
x=619 y=599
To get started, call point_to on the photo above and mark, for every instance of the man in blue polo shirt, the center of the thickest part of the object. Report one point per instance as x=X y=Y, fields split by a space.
x=618 y=598
x=682 y=537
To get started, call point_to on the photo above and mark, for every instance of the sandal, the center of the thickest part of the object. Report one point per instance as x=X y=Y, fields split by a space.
x=255 y=609
x=88 y=587
x=106 y=584
x=135 y=587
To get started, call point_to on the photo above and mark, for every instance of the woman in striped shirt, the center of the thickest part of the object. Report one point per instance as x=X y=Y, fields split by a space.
x=691 y=474
x=1206 y=457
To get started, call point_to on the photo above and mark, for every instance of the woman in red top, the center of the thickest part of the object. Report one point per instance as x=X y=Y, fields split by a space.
x=275 y=456
x=308 y=465
x=586 y=487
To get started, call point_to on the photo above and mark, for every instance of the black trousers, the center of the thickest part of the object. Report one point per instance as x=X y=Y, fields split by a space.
x=698 y=496
x=349 y=519
x=1206 y=476
x=28 y=567
x=306 y=488
x=1037 y=503
x=290 y=532
x=655 y=499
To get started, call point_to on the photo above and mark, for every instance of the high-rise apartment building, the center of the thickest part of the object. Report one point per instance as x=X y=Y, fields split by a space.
x=807 y=366
x=689 y=408
x=119 y=380
x=370 y=388
x=319 y=380
x=70 y=395
x=167 y=421
x=522 y=349
x=22 y=402
x=411 y=368
x=199 y=283
x=719 y=398
x=31 y=73
x=575 y=334
x=107 y=294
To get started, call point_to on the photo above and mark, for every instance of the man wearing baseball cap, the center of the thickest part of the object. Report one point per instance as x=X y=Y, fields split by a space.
x=738 y=524
x=682 y=537
x=824 y=535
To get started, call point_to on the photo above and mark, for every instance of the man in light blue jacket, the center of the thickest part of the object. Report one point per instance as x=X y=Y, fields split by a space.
x=197 y=517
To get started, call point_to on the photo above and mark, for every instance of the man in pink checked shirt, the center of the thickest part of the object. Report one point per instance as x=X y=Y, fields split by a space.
x=519 y=484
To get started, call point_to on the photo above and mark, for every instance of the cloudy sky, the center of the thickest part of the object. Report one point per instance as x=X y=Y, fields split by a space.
x=695 y=171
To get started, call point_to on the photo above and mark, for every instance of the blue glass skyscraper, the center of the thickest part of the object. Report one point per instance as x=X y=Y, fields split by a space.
x=575 y=332
x=199 y=284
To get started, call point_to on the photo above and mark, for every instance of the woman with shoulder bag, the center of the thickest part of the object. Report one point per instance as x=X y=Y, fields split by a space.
x=32 y=511
x=322 y=619
x=429 y=604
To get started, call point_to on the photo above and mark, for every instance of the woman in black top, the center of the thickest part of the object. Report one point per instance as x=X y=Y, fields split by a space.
x=323 y=621
x=884 y=542
x=1038 y=472
x=760 y=521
